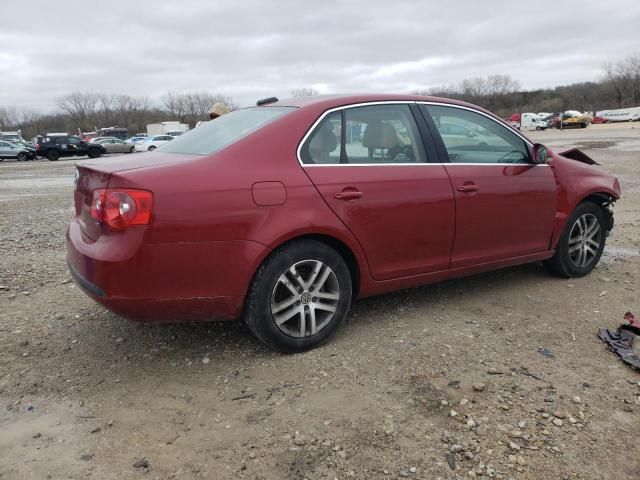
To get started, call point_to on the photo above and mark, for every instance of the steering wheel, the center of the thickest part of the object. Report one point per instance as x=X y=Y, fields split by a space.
x=503 y=159
x=407 y=151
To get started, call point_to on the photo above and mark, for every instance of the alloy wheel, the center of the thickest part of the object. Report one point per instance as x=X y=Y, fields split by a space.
x=585 y=239
x=305 y=298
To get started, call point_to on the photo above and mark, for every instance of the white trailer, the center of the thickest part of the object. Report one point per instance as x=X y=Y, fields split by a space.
x=621 y=114
x=165 y=128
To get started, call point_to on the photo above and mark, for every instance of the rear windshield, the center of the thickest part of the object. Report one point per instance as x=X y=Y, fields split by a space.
x=214 y=135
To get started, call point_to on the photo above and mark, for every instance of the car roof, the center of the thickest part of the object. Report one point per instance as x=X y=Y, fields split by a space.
x=339 y=100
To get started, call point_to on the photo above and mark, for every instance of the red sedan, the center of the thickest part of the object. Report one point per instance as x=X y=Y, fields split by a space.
x=283 y=213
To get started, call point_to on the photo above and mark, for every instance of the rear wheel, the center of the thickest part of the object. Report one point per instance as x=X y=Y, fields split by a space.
x=152 y=148
x=23 y=157
x=299 y=296
x=132 y=149
x=53 y=155
x=94 y=153
x=581 y=243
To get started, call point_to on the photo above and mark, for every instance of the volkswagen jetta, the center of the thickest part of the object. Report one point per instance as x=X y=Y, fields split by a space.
x=283 y=213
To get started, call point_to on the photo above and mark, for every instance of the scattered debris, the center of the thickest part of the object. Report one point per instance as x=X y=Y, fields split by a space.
x=546 y=352
x=621 y=340
x=142 y=463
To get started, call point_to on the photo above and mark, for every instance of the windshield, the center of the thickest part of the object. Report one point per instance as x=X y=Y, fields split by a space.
x=214 y=135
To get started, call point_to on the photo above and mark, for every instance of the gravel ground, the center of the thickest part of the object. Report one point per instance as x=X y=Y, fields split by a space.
x=444 y=381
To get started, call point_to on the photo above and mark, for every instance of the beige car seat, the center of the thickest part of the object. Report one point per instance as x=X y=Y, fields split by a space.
x=380 y=136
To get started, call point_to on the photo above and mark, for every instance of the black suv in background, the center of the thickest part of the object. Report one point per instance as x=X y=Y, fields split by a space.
x=55 y=146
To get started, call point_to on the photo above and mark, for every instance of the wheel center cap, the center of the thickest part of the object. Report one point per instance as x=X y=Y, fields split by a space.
x=305 y=299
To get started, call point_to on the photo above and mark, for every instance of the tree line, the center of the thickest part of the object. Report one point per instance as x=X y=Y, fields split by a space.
x=618 y=88
x=88 y=110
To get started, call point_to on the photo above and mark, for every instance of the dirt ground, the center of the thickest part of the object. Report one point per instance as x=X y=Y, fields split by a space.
x=444 y=381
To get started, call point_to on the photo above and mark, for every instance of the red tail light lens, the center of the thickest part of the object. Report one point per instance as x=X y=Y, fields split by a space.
x=120 y=208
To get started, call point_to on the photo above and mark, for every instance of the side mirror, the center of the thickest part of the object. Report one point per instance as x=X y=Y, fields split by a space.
x=540 y=154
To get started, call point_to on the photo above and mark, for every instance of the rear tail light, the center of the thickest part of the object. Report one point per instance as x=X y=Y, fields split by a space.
x=121 y=208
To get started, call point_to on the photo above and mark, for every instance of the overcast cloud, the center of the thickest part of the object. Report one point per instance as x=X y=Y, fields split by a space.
x=253 y=49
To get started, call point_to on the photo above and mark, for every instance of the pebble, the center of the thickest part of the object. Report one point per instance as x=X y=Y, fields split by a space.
x=522 y=424
x=453 y=413
x=557 y=422
x=413 y=470
x=299 y=439
x=479 y=387
x=456 y=448
x=514 y=446
x=142 y=463
x=464 y=401
x=577 y=399
x=206 y=360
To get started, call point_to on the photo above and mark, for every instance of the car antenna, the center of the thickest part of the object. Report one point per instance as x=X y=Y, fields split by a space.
x=266 y=101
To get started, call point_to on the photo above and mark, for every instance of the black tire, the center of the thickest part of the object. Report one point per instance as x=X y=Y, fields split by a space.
x=53 y=155
x=264 y=287
x=151 y=148
x=131 y=150
x=23 y=157
x=538 y=128
x=562 y=263
x=94 y=153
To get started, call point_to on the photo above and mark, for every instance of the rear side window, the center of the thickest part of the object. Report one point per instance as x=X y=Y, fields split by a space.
x=376 y=134
x=214 y=135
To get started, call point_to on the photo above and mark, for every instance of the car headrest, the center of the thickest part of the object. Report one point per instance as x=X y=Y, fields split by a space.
x=380 y=135
x=323 y=142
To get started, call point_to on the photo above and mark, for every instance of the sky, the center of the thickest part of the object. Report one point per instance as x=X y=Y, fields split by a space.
x=254 y=49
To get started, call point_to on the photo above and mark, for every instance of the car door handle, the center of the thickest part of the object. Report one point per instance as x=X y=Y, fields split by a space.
x=348 y=195
x=468 y=188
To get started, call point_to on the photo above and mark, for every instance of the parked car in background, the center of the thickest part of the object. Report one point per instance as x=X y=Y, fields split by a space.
x=54 y=146
x=15 y=150
x=136 y=138
x=175 y=133
x=115 y=145
x=283 y=213
x=151 y=143
x=597 y=119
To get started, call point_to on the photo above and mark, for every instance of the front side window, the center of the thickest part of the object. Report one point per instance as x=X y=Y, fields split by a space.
x=470 y=137
x=376 y=134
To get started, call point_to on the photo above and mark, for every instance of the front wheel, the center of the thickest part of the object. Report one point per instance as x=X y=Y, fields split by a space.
x=581 y=244
x=152 y=148
x=23 y=157
x=299 y=296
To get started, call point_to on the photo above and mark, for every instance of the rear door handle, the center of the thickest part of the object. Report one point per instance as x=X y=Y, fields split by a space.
x=468 y=188
x=348 y=195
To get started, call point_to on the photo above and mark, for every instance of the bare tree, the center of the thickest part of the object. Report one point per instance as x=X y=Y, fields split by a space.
x=81 y=107
x=304 y=92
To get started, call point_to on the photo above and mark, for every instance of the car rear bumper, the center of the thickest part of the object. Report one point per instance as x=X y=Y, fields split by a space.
x=169 y=282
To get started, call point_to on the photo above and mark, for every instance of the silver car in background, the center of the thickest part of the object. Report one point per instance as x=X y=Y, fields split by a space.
x=114 y=145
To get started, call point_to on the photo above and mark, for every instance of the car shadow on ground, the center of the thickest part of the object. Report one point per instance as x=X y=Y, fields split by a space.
x=109 y=336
